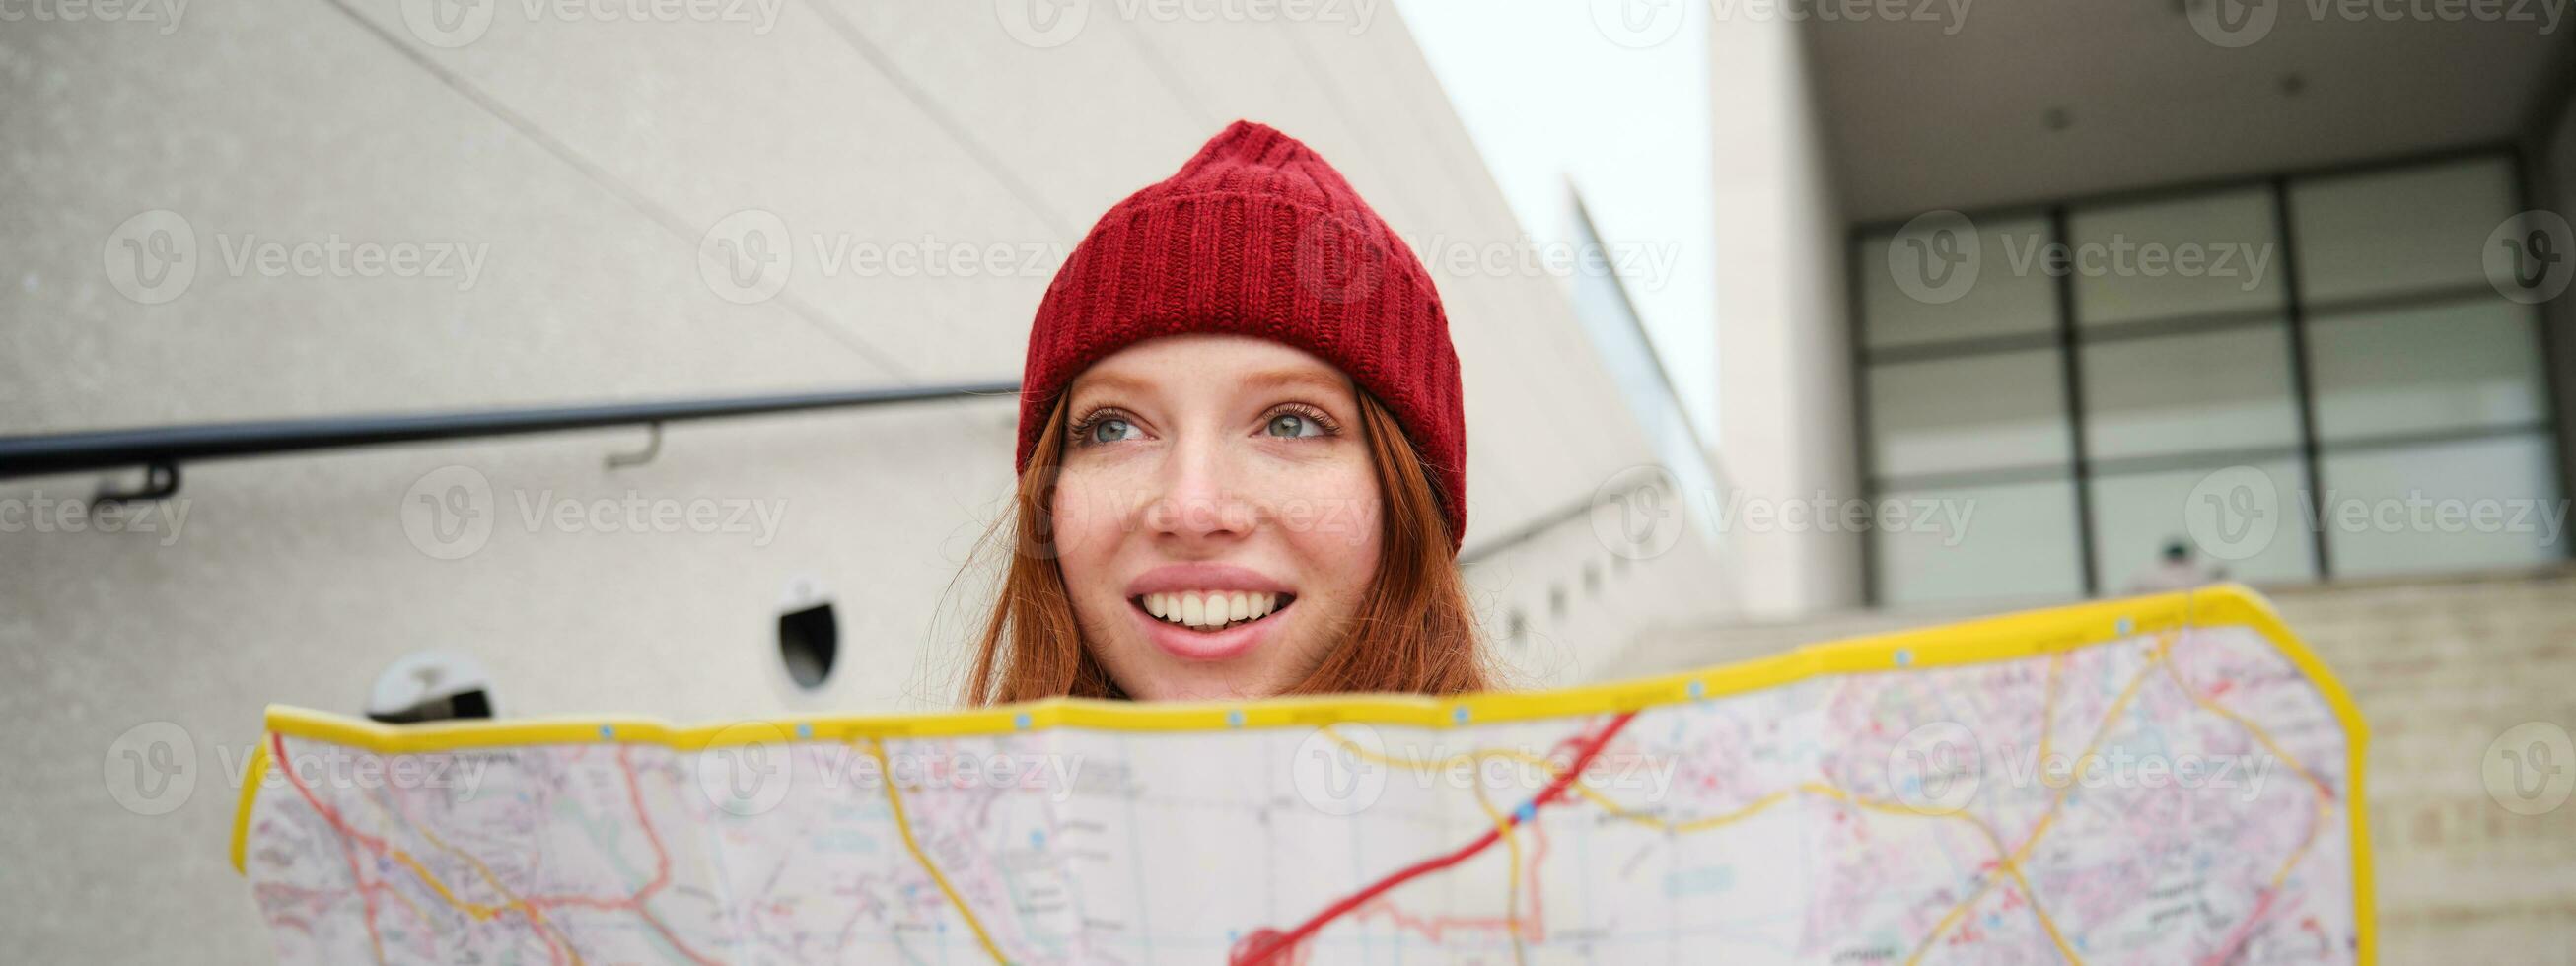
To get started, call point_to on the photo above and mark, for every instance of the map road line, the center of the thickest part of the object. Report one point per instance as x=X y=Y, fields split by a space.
x=876 y=750
x=1262 y=952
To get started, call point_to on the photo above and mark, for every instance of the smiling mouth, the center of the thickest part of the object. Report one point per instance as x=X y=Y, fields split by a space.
x=1212 y=610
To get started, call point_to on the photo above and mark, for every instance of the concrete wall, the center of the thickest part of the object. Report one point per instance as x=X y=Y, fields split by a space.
x=586 y=162
x=1784 y=357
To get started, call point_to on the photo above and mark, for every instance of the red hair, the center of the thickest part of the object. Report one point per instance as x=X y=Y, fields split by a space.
x=1413 y=631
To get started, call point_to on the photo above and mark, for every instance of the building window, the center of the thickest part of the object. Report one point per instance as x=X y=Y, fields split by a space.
x=2326 y=352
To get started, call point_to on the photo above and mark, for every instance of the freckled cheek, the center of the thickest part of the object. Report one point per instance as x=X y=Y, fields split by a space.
x=1088 y=519
x=1328 y=512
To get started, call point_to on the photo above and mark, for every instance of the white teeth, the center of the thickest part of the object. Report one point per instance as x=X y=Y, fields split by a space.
x=1210 y=608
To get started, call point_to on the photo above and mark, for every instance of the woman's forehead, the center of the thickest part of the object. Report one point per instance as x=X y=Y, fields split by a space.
x=1202 y=363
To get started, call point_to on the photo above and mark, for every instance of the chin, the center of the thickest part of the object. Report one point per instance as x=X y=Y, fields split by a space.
x=1147 y=670
x=1191 y=691
x=1194 y=681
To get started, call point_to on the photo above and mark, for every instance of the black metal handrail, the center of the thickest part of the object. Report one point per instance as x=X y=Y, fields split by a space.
x=162 y=448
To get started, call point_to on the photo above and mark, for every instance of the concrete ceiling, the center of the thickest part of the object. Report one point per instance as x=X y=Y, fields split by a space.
x=2031 y=100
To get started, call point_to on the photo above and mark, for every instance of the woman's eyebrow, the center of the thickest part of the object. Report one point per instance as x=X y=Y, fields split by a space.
x=1270 y=378
x=1109 y=382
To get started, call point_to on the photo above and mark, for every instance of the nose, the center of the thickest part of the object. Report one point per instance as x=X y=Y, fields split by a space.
x=1202 y=498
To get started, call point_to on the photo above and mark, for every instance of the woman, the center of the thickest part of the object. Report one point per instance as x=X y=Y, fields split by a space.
x=1242 y=456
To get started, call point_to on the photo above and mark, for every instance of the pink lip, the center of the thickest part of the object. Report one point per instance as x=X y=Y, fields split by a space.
x=1203 y=576
x=1190 y=645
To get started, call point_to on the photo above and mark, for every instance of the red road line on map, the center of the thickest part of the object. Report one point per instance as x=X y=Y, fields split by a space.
x=1533 y=928
x=661 y=862
x=635 y=797
x=2244 y=930
x=1536 y=924
x=367 y=897
x=366 y=891
x=1432 y=928
x=1260 y=951
x=634 y=904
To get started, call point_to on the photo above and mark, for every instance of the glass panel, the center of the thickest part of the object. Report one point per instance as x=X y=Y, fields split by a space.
x=2258 y=535
x=2190 y=393
x=1601 y=304
x=1972 y=413
x=2163 y=259
x=2007 y=295
x=2468 y=505
x=2464 y=365
x=1979 y=543
x=2399 y=231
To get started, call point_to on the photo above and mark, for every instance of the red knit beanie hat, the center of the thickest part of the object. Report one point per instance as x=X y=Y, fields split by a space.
x=1257 y=236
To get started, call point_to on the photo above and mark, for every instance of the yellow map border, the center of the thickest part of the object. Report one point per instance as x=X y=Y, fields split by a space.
x=2004 y=638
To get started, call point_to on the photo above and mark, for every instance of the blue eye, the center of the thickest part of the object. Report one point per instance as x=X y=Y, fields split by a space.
x=1293 y=425
x=1110 y=430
